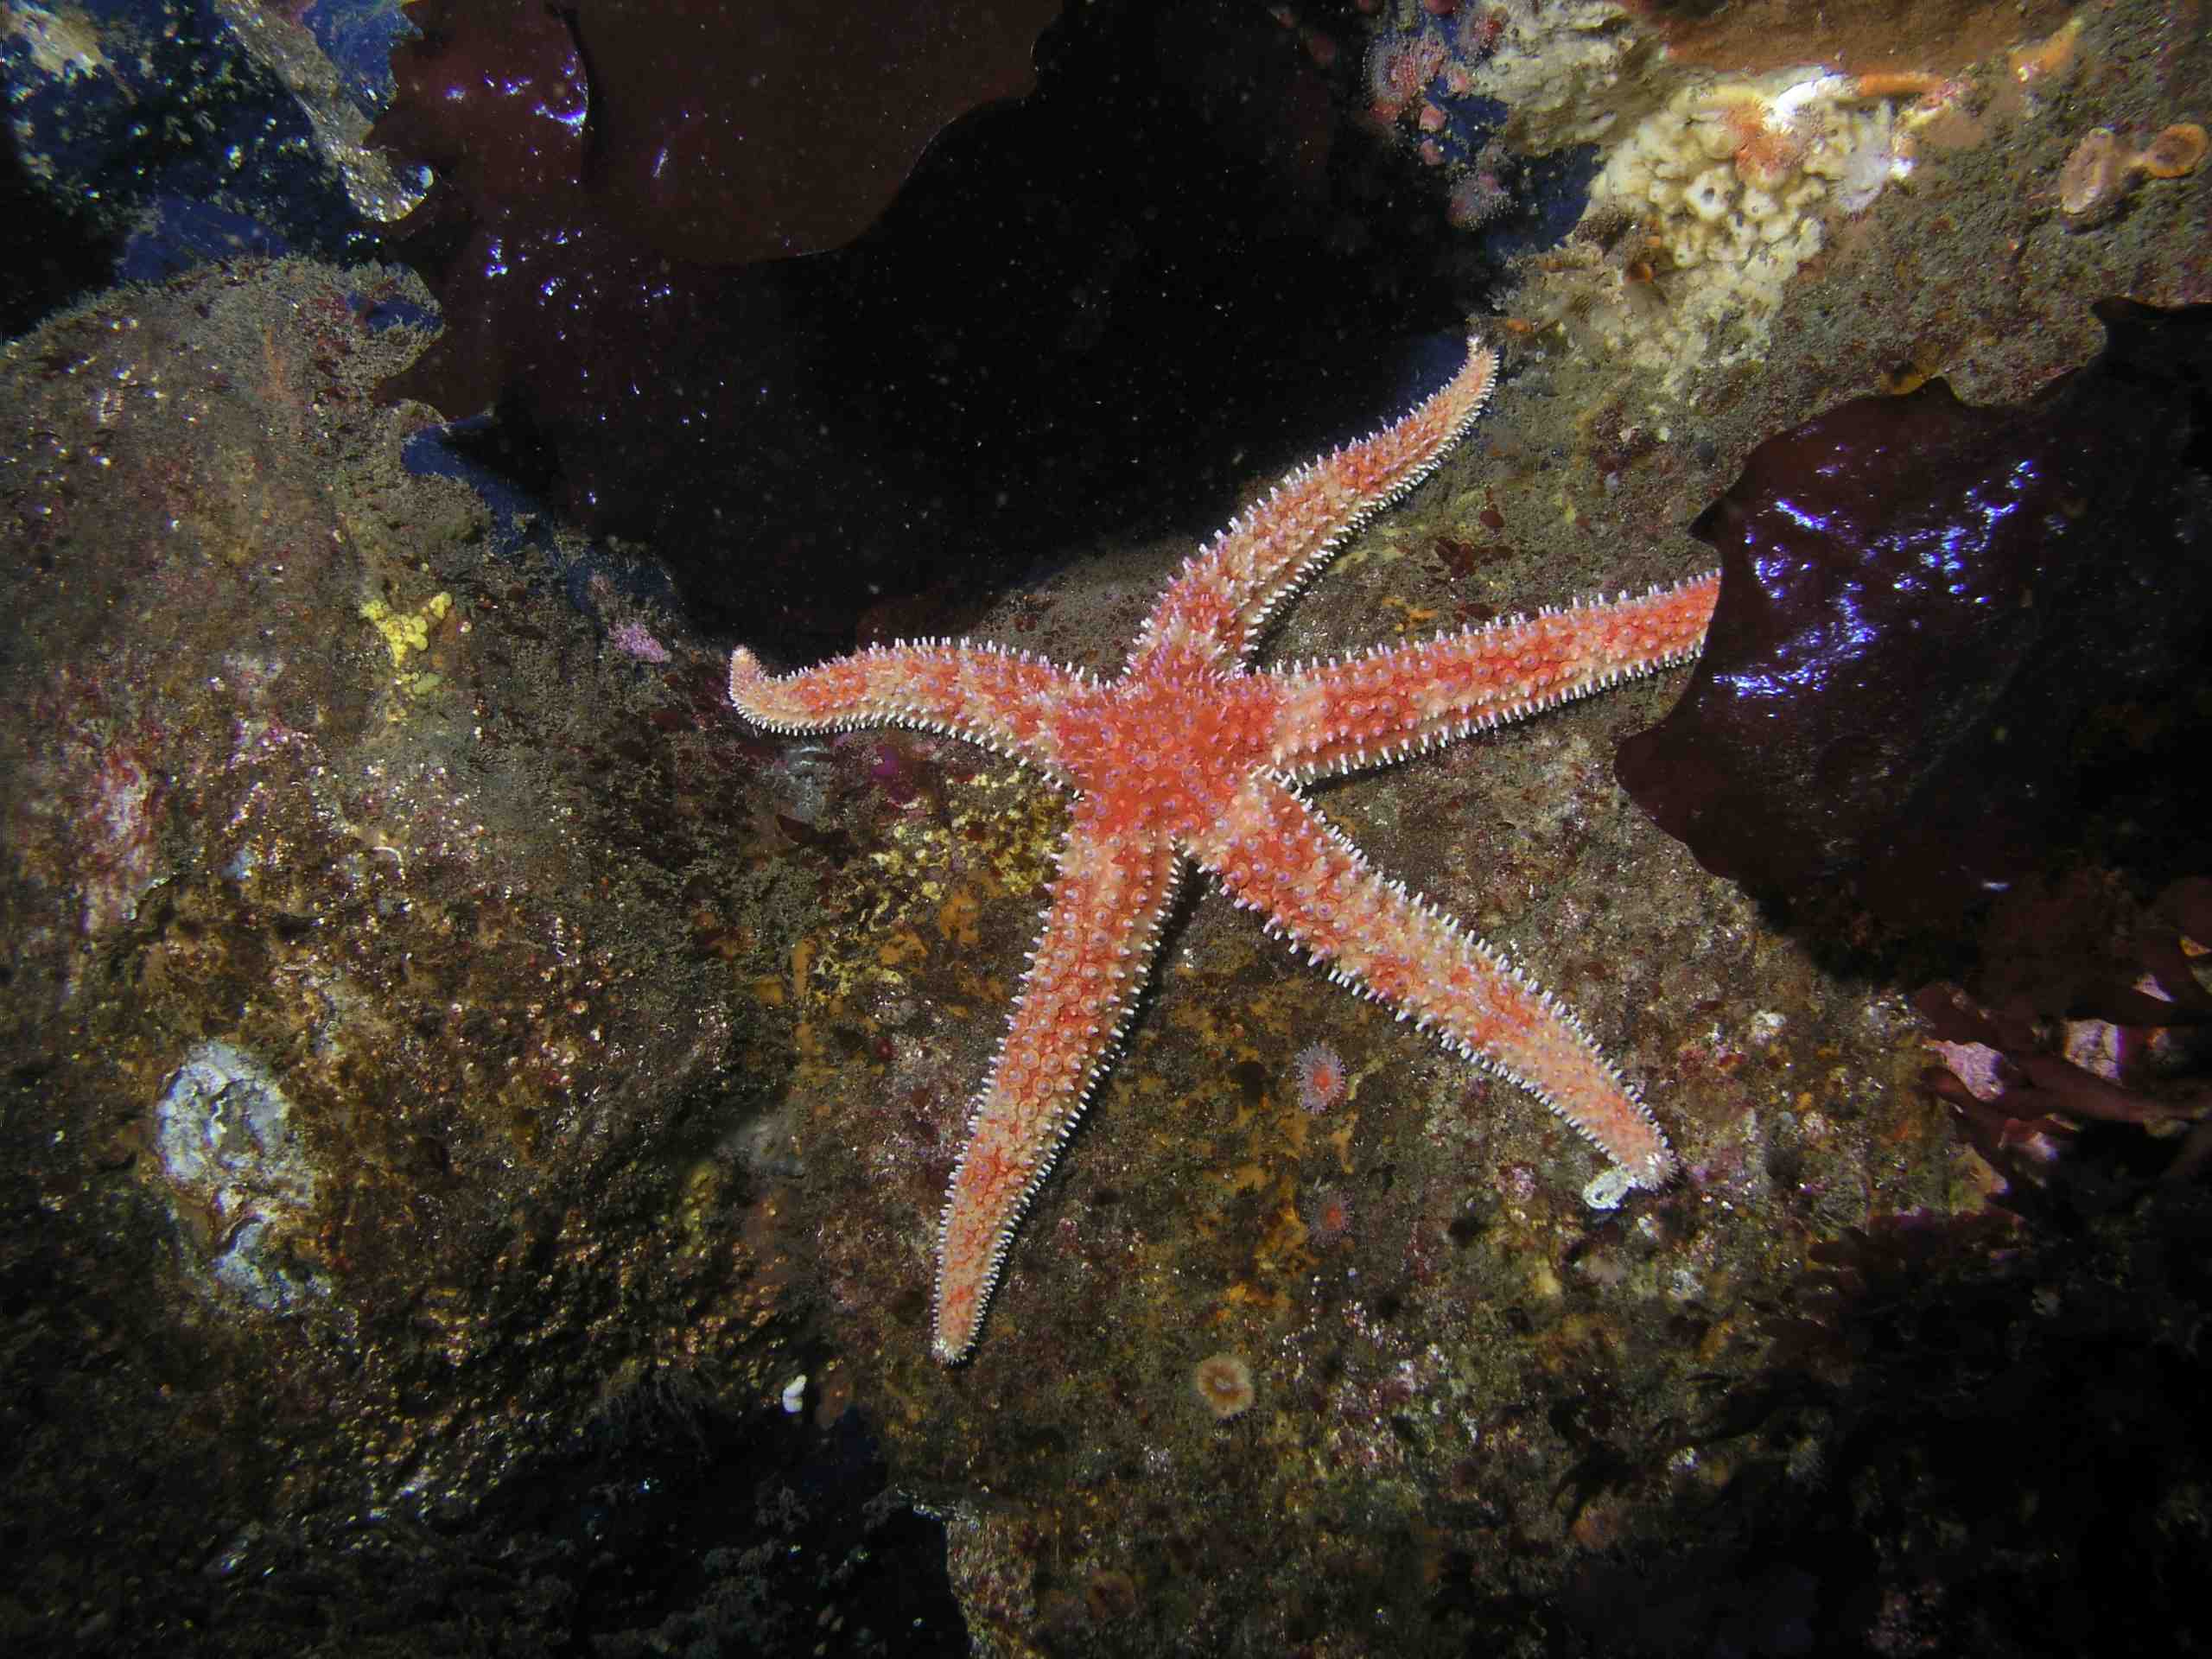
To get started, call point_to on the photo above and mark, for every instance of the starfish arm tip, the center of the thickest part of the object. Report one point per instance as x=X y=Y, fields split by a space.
x=747 y=679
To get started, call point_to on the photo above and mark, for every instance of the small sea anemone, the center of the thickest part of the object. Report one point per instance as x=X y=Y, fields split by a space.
x=1327 y=1216
x=1480 y=28
x=2046 y=60
x=1398 y=68
x=1224 y=1382
x=1877 y=157
x=2099 y=173
x=2095 y=178
x=1320 y=1076
x=1476 y=199
x=2174 y=153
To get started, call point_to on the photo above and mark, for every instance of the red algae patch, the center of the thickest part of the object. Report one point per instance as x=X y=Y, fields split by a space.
x=1320 y=1073
x=1224 y=1382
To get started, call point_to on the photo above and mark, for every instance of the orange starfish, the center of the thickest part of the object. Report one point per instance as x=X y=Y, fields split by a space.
x=1189 y=754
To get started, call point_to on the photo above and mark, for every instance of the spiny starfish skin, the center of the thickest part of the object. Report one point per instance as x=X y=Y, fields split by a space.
x=1188 y=753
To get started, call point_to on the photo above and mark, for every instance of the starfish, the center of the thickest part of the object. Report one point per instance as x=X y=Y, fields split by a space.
x=1191 y=756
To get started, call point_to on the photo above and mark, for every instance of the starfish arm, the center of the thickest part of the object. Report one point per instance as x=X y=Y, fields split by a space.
x=1100 y=933
x=1219 y=605
x=1275 y=854
x=999 y=698
x=1382 y=705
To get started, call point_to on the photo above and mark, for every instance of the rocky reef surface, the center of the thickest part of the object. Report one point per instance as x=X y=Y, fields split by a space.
x=474 y=1115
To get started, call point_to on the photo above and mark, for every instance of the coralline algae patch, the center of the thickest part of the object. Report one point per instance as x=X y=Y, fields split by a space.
x=237 y=1177
x=1708 y=206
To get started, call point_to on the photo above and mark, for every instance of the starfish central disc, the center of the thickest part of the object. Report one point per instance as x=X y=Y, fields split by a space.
x=1163 y=753
x=1191 y=756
